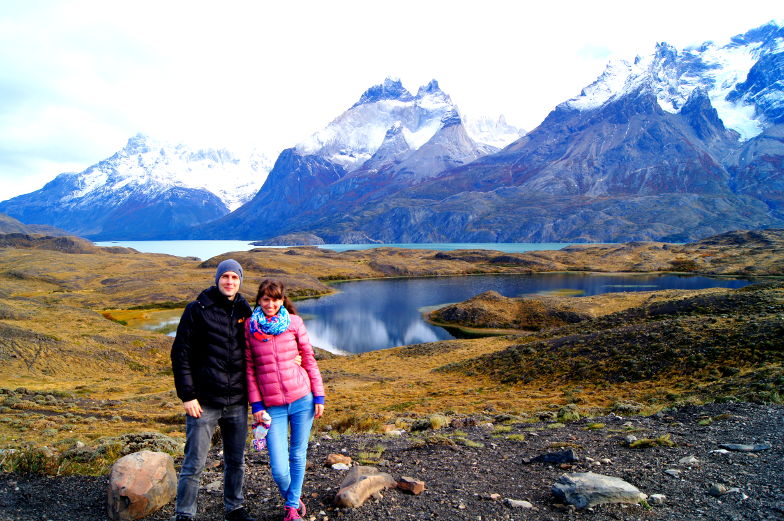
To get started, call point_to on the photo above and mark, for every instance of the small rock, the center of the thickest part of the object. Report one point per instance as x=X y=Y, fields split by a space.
x=412 y=485
x=630 y=439
x=742 y=447
x=214 y=487
x=717 y=489
x=689 y=460
x=561 y=456
x=332 y=459
x=340 y=466
x=517 y=503
x=720 y=451
x=657 y=499
x=673 y=472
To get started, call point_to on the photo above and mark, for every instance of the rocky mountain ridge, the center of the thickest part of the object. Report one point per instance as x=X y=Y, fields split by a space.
x=673 y=146
x=666 y=148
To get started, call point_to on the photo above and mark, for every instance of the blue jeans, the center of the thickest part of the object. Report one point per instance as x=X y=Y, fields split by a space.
x=233 y=421
x=287 y=461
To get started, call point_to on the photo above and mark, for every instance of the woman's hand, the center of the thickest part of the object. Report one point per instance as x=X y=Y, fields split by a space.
x=258 y=416
x=319 y=410
x=192 y=408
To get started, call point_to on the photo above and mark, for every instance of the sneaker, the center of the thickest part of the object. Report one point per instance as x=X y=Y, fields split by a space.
x=302 y=510
x=291 y=514
x=239 y=514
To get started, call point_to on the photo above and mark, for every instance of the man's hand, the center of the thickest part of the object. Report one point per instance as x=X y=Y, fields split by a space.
x=192 y=408
x=259 y=416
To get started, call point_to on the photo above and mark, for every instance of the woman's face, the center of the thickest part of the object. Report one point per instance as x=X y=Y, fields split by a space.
x=270 y=305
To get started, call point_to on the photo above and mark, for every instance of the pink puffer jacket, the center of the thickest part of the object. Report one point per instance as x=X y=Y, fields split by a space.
x=273 y=376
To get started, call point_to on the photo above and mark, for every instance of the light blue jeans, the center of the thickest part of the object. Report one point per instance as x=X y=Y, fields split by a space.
x=233 y=421
x=287 y=460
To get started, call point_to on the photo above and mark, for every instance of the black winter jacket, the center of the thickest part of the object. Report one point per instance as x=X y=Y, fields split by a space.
x=208 y=354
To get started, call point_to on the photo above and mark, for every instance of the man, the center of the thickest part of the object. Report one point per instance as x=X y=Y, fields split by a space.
x=208 y=359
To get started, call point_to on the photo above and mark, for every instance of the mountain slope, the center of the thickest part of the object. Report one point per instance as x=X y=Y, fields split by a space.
x=142 y=191
x=389 y=140
x=677 y=145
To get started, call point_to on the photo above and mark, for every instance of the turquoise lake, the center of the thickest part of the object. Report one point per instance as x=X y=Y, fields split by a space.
x=206 y=249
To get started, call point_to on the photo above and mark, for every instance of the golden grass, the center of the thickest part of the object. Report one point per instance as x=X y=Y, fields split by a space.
x=107 y=378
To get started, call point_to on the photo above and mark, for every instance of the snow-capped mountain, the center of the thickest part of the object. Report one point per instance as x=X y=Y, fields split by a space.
x=158 y=166
x=726 y=72
x=390 y=139
x=354 y=136
x=676 y=145
x=494 y=132
x=145 y=188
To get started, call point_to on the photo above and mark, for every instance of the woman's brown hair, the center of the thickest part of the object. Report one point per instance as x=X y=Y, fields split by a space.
x=276 y=290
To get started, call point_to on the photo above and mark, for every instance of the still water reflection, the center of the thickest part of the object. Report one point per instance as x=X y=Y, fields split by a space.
x=370 y=315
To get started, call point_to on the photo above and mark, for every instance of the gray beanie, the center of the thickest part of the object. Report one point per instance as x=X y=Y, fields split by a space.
x=228 y=265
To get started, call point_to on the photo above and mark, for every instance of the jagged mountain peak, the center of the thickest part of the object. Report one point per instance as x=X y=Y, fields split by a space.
x=353 y=137
x=429 y=88
x=718 y=69
x=390 y=89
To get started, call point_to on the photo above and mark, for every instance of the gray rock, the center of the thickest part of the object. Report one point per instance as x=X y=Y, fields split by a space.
x=586 y=489
x=742 y=447
x=717 y=489
x=561 y=456
x=689 y=460
x=214 y=487
x=673 y=472
x=657 y=499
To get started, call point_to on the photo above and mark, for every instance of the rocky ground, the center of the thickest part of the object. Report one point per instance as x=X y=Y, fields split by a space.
x=473 y=466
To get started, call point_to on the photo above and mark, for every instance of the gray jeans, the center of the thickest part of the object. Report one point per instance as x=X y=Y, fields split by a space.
x=233 y=421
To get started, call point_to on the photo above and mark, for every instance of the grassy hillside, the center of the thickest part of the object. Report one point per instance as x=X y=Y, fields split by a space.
x=72 y=370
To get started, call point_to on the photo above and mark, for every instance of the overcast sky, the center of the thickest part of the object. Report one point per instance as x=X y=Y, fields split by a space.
x=78 y=78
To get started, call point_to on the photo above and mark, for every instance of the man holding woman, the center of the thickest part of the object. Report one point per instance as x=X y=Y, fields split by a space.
x=211 y=377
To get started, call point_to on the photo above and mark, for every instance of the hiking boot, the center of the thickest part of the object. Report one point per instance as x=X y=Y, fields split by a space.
x=291 y=514
x=239 y=514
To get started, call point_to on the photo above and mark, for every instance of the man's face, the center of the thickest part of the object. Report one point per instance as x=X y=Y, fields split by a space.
x=229 y=284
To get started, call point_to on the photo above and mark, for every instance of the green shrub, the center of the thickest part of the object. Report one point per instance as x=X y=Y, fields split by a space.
x=661 y=441
x=437 y=421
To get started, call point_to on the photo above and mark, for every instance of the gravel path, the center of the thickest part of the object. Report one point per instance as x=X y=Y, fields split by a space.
x=471 y=480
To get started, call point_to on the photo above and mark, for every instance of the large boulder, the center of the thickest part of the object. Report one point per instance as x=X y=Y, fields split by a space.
x=586 y=489
x=139 y=484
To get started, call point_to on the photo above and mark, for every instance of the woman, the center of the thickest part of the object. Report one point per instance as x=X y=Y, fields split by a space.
x=292 y=395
